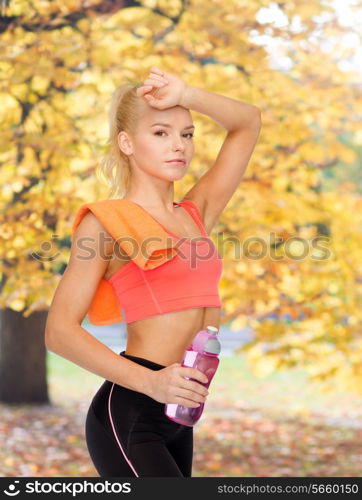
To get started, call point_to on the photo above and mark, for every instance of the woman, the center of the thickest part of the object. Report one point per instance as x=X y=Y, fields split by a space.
x=151 y=139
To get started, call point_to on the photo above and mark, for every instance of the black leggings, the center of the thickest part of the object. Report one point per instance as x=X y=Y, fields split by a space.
x=128 y=434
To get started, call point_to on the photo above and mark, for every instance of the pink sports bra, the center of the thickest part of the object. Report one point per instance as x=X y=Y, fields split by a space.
x=188 y=280
x=184 y=275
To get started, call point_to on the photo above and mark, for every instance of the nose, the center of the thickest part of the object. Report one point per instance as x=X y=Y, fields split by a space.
x=178 y=144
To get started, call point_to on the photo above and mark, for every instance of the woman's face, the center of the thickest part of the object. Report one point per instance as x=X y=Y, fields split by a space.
x=161 y=136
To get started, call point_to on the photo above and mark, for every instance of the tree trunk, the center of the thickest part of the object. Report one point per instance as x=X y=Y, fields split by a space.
x=23 y=358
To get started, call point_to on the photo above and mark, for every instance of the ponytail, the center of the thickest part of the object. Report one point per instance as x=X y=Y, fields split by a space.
x=114 y=169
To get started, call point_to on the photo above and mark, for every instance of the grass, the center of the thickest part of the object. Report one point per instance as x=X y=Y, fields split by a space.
x=234 y=385
x=285 y=391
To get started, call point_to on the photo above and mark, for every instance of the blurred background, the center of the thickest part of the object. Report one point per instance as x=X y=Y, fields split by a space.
x=287 y=398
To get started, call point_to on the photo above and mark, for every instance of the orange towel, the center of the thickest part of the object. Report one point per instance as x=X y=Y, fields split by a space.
x=129 y=225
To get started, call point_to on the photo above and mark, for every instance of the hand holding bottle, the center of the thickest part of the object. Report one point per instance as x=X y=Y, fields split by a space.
x=169 y=385
x=202 y=356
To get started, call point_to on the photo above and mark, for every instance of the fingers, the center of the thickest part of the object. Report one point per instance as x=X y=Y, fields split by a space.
x=158 y=74
x=158 y=77
x=189 y=403
x=193 y=395
x=154 y=82
x=194 y=373
x=186 y=402
x=157 y=71
x=149 y=84
x=187 y=397
x=142 y=90
x=192 y=386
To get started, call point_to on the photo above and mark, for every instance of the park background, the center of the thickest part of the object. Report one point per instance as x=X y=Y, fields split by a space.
x=287 y=398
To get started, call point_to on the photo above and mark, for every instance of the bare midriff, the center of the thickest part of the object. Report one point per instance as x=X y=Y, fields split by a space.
x=164 y=338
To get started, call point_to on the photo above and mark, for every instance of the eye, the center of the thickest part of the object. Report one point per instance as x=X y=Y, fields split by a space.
x=163 y=132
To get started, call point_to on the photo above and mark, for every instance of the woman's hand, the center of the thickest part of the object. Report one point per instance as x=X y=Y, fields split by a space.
x=169 y=385
x=162 y=90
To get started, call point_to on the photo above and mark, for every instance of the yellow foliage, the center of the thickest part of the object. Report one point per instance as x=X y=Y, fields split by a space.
x=57 y=80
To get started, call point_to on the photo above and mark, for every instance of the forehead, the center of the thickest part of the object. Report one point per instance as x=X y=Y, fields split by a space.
x=177 y=116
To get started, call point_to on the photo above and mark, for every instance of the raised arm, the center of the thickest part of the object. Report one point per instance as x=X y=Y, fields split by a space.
x=242 y=121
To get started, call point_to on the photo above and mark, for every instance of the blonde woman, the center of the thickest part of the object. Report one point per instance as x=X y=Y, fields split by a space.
x=151 y=147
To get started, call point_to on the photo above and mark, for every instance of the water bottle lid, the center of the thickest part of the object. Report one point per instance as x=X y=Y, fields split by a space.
x=212 y=329
x=212 y=346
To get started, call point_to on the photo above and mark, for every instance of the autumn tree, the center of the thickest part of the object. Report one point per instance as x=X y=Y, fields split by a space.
x=291 y=249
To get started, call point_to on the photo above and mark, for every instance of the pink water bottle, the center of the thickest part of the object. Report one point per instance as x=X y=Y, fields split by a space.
x=202 y=355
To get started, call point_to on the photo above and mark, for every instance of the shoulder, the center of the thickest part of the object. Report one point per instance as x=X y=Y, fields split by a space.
x=93 y=233
x=89 y=223
x=96 y=213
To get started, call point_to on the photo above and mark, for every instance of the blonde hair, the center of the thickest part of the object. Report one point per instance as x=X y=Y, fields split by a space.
x=114 y=168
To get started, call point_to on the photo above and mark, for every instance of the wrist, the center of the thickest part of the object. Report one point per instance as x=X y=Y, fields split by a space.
x=186 y=97
x=147 y=383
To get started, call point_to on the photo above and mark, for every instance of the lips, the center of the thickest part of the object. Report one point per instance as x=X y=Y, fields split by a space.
x=177 y=161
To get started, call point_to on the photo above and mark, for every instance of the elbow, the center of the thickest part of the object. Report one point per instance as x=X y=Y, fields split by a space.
x=256 y=120
x=49 y=334
x=58 y=333
x=49 y=339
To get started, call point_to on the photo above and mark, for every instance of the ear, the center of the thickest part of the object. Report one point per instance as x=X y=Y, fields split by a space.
x=124 y=143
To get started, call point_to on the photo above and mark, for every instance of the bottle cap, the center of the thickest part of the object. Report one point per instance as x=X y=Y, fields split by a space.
x=212 y=329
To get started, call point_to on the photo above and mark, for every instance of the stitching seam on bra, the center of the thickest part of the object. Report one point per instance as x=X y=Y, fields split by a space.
x=151 y=293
